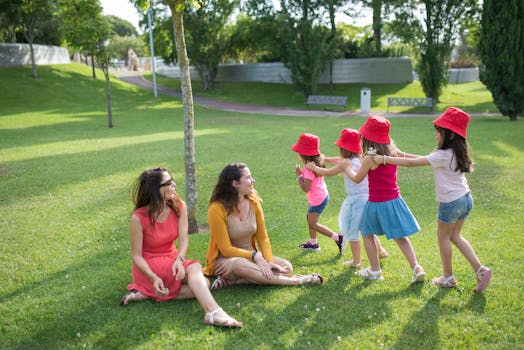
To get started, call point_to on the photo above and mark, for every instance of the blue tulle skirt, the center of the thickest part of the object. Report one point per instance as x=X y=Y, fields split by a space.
x=392 y=218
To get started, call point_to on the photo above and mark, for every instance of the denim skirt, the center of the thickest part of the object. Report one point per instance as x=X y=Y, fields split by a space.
x=391 y=218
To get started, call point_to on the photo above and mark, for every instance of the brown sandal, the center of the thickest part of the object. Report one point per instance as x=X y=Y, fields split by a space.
x=132 y=295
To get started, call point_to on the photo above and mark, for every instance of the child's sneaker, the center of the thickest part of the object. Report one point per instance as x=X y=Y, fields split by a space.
x=340 y=244
x=309 y=246
x=483 y=278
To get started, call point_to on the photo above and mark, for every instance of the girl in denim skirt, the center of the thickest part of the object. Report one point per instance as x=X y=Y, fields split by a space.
x=450 y=161
x=385 y=213
x=350 y=214
x=307 y=147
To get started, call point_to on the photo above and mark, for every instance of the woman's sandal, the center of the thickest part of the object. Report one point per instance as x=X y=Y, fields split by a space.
x=221 y=282
x=352 y=264
x=483 y=278
x=132 y=295
x=370 y=275
x=312 y=278
x=445 y=282
x=419 y=276
x=221 y=320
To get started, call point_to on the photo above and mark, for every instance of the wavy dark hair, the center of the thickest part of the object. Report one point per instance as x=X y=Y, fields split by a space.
x=146 y=193
x=224 y=192
x=460 y=147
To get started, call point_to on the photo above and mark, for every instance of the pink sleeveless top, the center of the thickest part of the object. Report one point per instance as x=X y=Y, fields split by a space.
x=383 y=185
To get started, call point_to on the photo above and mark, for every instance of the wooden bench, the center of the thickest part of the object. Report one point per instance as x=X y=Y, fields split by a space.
x=410 y=102
x=327 y=100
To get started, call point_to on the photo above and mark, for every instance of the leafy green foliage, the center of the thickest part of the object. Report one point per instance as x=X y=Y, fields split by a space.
x=208 y=44
x=121 y=27
x=501 y=47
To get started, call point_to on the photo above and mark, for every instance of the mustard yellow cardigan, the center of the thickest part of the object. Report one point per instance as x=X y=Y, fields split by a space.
x=219 y=241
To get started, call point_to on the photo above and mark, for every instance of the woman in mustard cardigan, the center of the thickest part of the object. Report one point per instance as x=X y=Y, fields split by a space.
x=236 y=226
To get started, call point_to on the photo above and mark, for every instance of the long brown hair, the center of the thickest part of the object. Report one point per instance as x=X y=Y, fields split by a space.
x=224 y=192
x=318 y=159
x=460 y=147
x=146 y=193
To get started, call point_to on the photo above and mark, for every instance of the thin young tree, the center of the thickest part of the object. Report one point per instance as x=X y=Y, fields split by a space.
x=177 y=8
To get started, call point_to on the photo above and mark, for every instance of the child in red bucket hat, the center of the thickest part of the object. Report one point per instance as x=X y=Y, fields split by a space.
x=307 y=146
x=386 y=212
x=350 y=214
x=450 y=161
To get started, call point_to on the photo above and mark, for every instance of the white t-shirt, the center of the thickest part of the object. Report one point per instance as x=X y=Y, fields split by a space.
x=450 y=185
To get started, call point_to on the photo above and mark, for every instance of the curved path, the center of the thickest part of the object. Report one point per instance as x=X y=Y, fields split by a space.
x=136 y=79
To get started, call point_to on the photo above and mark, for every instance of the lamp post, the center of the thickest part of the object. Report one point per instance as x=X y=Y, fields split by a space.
x=153 y=63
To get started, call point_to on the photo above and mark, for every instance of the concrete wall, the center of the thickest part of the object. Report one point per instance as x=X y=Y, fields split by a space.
x=366 y=70
x=462 y=75
x=19 y=55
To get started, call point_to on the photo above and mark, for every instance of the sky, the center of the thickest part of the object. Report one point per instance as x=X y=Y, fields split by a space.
x=122 y=9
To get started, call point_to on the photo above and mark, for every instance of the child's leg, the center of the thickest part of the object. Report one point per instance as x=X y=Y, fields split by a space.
x=355 y=252
x=312 y=220
x=444 y=233
x=407 y=249
x=382 y=253
x=463 y=245
x=372 y=252
x=312 y=229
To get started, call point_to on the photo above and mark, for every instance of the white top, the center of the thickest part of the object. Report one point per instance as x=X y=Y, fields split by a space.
x=354 y=189
x=450 y=185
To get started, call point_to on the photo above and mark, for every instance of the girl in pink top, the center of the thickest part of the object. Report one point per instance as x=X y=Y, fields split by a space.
x=385 y=213
x=450 y=161
x=316 y=191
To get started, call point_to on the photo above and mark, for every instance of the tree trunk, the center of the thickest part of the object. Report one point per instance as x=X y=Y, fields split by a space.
x=33 y=63
x=108 y=94
x=93 y=65
x=377 y=26
x=177 y=11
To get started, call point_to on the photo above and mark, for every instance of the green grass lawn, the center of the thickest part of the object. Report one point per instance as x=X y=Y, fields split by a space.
x=65 y=204
x=473 y=96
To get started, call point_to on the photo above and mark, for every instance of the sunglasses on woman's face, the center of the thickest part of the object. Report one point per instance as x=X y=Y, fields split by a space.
x=167 y=183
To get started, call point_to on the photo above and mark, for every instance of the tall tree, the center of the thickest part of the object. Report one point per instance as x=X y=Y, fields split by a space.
x=177 y=8
x=84 y=26
x=434 y=36
x=86 y=29
x=502 y=54
x=121 y=27
x=209 y=35
x=305 y=44
x=29 y=16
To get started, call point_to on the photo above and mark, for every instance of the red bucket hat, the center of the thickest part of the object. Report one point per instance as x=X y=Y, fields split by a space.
x=376 y=129
x=349 y=140
x=307 y=145
x=454 y=119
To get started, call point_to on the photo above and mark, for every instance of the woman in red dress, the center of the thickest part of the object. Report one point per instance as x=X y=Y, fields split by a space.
x=160 y=270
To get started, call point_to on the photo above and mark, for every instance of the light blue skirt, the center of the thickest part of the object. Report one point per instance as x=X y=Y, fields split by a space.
x=392 y=218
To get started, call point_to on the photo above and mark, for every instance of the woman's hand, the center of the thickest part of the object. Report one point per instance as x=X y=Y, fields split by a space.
x=265 y=267
x=178 y=269
x=277 y=268
x=158 y=286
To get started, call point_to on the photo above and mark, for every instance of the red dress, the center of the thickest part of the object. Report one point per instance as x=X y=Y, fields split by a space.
x=159 y=251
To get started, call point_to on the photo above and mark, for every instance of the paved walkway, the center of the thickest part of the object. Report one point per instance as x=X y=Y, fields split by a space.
x=135 y=78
